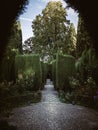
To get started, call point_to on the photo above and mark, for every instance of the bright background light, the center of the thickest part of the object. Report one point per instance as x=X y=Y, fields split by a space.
x=34 y=8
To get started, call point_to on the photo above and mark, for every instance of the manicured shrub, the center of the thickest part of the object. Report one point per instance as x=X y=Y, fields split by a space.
x=53 y=64
x=7 y=70
x=44 y=67
x=16 y=94
x=29 y=65
x=65 y=68
x=87 y=65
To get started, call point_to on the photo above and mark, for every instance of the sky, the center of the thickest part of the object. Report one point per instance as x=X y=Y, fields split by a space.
x=34 y=8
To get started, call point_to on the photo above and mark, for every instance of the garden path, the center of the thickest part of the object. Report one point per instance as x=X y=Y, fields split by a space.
x=51 y=114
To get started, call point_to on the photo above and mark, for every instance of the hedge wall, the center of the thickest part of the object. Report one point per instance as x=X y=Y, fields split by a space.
x=65 y=68
x=44 y=67
x=7 y=68
x=26 y=65
x=53 y=63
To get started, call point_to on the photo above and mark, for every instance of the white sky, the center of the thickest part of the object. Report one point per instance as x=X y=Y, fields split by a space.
x=34 y=8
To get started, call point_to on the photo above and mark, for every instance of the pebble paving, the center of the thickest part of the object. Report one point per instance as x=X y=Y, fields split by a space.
x=51 y=114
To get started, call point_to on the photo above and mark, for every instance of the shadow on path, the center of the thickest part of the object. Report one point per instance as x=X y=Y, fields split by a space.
x=51 y=114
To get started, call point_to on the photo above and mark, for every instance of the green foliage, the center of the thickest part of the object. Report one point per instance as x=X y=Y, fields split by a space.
x=7 y=70
x=50 y=30
x=45 y=69
x=28 y=46
x=22 y=92
x=83 y=39
x=74 y=83
x=25 y=84
x=53 y=63
x=29 y=65
x=15 y=39
x=65 y=97
x=14 y=46
x=91 y=83
x=21 y=86
x=87 y=65
x=62 y=95
x=82 y=94
x=65 y=67
x=71 y=40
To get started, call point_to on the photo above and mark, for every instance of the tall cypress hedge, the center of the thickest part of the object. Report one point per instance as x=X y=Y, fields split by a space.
x=7 y=68
x=65 y=68
x=44 y=67
x=53 y=63
x=26 y=65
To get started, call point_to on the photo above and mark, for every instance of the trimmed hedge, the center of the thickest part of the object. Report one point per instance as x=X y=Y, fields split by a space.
x=26 y=65
x=44 y=67
x=53 y=64
x=65 y=68
x=7 y=68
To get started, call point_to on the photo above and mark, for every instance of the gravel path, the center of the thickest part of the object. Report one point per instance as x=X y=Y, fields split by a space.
x=51 y=114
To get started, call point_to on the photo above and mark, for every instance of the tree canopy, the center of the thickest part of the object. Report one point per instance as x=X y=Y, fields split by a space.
x=50 y=29
x=84 y=40
x=71 y=40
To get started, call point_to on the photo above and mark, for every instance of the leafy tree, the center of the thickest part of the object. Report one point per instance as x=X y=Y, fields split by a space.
x=71 y=40
x=14 y=46
x=83 y=39
x=28 y=46
x=87 y=61
x=50 y=30
x=15 y=40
